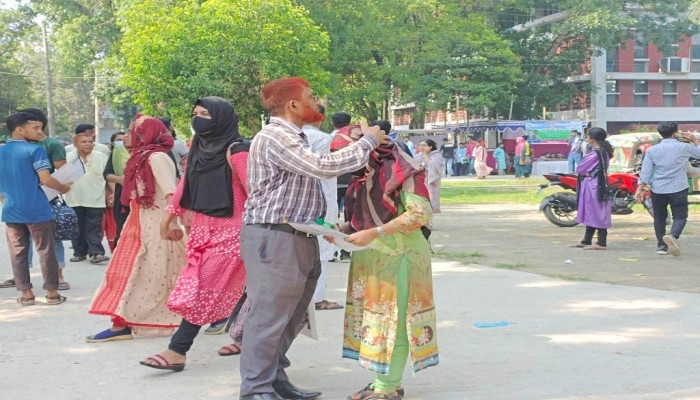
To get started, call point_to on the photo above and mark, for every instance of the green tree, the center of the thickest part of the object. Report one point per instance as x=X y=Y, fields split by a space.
x=15 y=87
x=172 y=55
x=385 y=52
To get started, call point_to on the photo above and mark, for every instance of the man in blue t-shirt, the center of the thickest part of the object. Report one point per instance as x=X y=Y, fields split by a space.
x=23 y=167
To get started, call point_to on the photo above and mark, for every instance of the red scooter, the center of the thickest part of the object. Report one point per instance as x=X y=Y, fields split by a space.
x=561 y=208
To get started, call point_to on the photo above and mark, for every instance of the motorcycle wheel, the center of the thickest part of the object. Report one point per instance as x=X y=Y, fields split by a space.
x=558 y=217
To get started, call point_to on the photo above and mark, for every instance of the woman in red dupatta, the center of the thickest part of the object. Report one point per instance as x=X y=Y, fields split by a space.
x=144 y=267
x=388 y=321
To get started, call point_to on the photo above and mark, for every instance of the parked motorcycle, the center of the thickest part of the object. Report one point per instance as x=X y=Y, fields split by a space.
x=561 y=207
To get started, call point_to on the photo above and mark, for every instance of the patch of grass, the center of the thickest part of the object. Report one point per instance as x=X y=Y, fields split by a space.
x=573 y=278
x=511 y=266
x=489 y=196
x=469 y=257
x=534 y=182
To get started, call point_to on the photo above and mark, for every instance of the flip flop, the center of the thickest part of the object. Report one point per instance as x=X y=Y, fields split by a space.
x=78 y=259
x=578 y=245
x=159 y=362
x=230 y=350
x=55 y=300
x=595 y=247
x=327 y=305
x=26 y=301
x=8 y=283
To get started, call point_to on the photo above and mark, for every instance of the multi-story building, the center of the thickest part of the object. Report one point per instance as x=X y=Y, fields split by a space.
x=636 y=86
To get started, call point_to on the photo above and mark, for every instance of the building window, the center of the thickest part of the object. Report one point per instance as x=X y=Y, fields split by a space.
x=696 y=93
x=696 y=51
x=640 y=66
x=641 y=87
x=641 y=54
x=641 y=51
x=670 y=93
x=611 y=60
x=640 y=101
x=613 y=94
x=641 y=93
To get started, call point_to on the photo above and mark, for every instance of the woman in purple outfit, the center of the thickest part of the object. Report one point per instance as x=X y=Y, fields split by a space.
x=594 y=202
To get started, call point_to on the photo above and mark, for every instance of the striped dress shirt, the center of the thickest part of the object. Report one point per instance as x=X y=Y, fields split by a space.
x=284 y=174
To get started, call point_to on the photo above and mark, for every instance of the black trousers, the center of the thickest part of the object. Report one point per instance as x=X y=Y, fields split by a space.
x=182 y=340
x=89 y=239
x=679 y=210
x=602 y=236
x=119 y=216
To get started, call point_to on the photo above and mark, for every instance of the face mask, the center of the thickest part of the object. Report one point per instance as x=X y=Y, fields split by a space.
x=118 y=143
x=202 y=126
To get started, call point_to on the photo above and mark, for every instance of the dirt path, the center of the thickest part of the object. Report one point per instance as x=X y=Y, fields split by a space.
x=517 y=236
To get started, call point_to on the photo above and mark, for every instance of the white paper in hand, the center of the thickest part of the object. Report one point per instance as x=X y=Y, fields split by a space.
x=340 y=237
x=70 y=172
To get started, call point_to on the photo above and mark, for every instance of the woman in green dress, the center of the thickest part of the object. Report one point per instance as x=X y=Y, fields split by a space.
x=390 y=314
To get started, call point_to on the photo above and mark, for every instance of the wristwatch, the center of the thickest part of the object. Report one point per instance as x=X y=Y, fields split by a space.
x=380 y=231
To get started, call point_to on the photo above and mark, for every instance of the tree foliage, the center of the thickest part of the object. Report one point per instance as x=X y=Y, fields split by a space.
x=421 y=51
x=14 y=86
x=172 y=55
x=362 y=55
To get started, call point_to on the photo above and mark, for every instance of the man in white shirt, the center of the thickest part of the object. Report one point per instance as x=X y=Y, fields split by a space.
x=320 y=142
x=575 y=151
x=87 y=129
x=409 y=144
x=87 y=198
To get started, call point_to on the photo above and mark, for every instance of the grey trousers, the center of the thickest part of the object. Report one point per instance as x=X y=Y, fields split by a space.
x=282 y=270
x=18 y=237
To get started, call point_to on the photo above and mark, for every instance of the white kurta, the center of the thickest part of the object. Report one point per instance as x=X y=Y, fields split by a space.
x=320 y=142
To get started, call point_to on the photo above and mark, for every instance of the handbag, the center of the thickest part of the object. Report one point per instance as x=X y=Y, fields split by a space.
x=66 y=219
x=527 y=160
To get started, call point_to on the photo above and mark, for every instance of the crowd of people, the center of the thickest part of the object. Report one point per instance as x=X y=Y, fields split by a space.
x=202 y=236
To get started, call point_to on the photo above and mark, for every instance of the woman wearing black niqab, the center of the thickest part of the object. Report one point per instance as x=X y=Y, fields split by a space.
x=206 y=189
x=214 y=189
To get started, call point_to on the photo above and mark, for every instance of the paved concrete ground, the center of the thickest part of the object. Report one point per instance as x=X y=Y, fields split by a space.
x=568 y=339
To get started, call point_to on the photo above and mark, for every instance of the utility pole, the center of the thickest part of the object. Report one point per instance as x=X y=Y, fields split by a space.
x=49 y=83
x=97 y=108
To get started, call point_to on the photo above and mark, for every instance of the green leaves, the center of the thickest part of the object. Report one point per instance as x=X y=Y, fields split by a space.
x=218 y=48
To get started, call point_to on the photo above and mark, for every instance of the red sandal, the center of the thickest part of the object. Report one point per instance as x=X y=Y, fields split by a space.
x=230 y=350
x=160 y=362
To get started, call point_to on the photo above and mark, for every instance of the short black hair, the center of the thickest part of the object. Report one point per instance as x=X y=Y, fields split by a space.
x=20 y=119
x=82 y=128
x=382 y=124
x=114 y=136
x=667 y=129
x=40 y=114
x=341 y=119
x=577 y=132
x=168 y=125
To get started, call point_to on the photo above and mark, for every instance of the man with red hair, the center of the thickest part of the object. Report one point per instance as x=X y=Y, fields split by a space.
x=283 y=264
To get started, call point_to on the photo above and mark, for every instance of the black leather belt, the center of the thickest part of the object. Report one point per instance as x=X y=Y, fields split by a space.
x=282 y=228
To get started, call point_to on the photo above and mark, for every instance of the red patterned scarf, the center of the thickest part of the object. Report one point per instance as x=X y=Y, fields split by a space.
x=148 y=135
x=372 y=200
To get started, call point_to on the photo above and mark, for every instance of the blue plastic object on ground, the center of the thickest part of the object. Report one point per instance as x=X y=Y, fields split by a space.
x=491 y=324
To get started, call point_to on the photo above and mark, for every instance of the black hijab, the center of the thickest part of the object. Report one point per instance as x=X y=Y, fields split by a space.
x=207 y=187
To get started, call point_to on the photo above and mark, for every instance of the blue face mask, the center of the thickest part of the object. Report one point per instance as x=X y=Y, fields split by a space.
x=118 y=143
